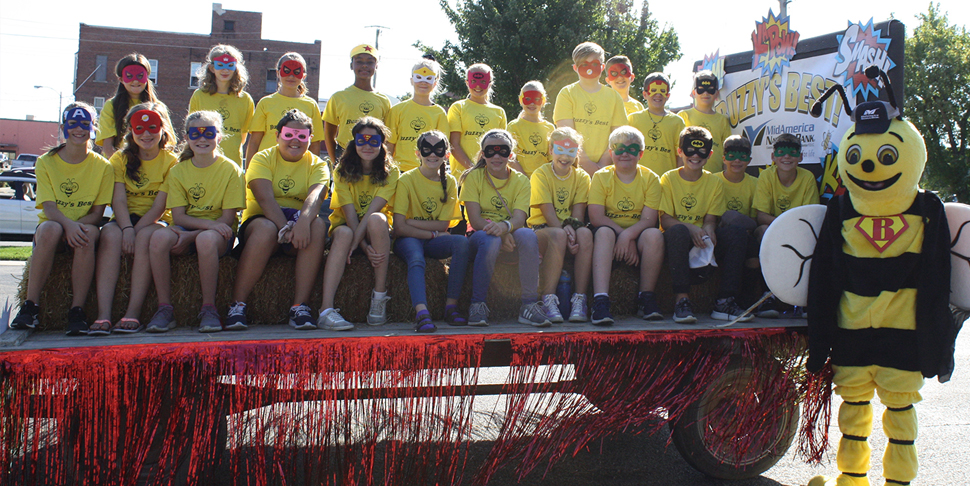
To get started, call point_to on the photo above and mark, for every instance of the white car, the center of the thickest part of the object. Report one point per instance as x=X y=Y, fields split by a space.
x=18 y=200
x=24 y=160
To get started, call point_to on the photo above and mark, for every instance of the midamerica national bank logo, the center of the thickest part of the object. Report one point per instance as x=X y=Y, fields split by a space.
x=859 y=47
x=774 y=44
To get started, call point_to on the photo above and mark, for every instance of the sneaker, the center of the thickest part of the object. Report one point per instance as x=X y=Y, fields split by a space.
x=424 y=322
x=331 y=320
x=209 y=320
x=534 y=314
x=453 y=317
x=378 y=311
x=28 y=317
x=578 y=311
x=768 y=309
x=77 y=322
x=647 y=307
x=236 y=319
x=551 y=304
x=478 y=314
x=728 y=310
x=301 y=319
x=684 y=312
x=601 y=311
x=163 y=320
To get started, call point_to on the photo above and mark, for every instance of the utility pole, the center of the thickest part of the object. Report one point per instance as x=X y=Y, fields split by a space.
x=783 y=8
x=377 y=42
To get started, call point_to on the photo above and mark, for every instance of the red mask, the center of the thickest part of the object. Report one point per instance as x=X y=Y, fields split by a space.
x=144 y=120
x=479 y=80
x=530 y=97
x=292 y=68
x=590 y=70
x=134 y=72
x=618 y=70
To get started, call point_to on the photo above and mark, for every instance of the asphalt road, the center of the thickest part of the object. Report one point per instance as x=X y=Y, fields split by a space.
x=640 y=459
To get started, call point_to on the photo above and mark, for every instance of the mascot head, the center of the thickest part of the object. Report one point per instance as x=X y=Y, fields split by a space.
x=881 y=157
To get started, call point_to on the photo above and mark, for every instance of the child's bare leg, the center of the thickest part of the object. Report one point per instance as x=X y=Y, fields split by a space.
x=160 y=249
x=261 y=243
x=380 y=240
x=603 y=242
x=333 y=271
x=108 y=267
x=552 y=247
x=82 y=271
x=209 y=245
x=651 y=246
x=584 y=260
x=46 y=239
x=308 y=262
x=141 y=271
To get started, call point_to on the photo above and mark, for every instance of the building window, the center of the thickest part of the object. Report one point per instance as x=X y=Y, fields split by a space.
x=194 y=74
x=98 y=103
x=154 y=74
x=229 y=25
x=101 y=71
x=270 y=80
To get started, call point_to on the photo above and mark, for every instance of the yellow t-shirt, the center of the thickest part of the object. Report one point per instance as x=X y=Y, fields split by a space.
x=632 y=106
x=531 y=143
x=407 y=120
x=593 y=114
x=739 y=196
x=237 y=113
x=719 y=127
x=291 y=180
x=106 y=122
x=661 y=135
x=515 y=190
x=271 y=109
x=206 y=192
x=624 y=202
x=152 y=174
x=472 y=120
x=419 y=198
x=74 y=187
x=360 y=194
x=690 y=201
x=773 y=198
x=548 y=189
x=347 y=106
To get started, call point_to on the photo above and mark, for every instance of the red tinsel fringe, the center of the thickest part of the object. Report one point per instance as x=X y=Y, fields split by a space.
x=391 y=410
x=816 y=414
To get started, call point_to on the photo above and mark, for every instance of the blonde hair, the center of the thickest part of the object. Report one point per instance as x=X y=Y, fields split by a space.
x=493 y=133
x=434 y=66
x=566 y=133
x=209 y=118
x=302 y=89
x=535 y=85
x=484 y=68
x=207 y=78
x=626 y=134
x=584 y=50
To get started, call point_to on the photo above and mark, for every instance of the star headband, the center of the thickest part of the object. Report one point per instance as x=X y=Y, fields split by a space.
x=145 y=120
x=565 y=147
x=224 y=62
x=292 y=68
x=618 y=70
x=134 y=72
x=301 y=134
x=196 y=133
x=479 y=80
x=76 y=118
x=423 y=75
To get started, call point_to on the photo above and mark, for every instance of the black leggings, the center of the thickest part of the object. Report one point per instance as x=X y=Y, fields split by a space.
x=729 y=254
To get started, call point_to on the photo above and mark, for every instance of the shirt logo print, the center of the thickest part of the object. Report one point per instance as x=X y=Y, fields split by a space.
x=69 y=187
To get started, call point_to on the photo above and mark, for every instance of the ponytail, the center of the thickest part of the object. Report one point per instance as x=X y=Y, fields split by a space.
x=444 y=182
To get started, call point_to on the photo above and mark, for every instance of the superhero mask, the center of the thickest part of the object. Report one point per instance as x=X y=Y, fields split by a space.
x=292 y=68
x=632 y=149
x=423 y=75
x=565 y=147
x=301 y=134
x=737 y=155
x=531 y=97
x=782 y=149
x=881 y=157
x=705 y=85
x=618 y=70
x=697 y=146
x=224 y=62
x=426 y=149
x=590 y=70
x=479 y=80
x=134 y=72
x=76 y=118
x=196 y=133
x=658 y=87
x=373 y=140
x=492 y=150
x=145 y=120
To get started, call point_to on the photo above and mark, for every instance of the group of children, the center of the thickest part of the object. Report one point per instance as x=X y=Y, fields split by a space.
x=609 y=181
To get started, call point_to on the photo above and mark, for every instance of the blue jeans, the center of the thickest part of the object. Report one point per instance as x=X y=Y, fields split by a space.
x=413 y=251
x=484 y=249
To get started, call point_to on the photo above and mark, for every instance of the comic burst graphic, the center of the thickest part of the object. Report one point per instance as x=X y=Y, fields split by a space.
x=715 y=64
x=860 y=47
x=774 y=44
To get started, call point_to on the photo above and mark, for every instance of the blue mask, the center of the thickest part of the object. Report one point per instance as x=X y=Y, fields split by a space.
x=76 y=117
x=196 y=133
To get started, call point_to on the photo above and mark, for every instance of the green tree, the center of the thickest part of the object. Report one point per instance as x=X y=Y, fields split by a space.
x=938 y=100
x=524 y=40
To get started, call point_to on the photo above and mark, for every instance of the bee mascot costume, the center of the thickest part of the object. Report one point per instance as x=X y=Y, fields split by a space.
x=879 y=288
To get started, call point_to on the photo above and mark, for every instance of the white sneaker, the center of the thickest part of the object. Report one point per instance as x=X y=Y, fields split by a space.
x=378 y=310
x=551 y=304
x=331 y=320
x=579 y=311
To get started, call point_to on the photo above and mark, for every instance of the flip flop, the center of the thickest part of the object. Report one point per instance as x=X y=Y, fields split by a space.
x=124 y=326
x=101 y=327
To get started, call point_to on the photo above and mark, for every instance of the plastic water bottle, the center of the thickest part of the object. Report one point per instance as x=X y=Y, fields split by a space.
x=564 y=291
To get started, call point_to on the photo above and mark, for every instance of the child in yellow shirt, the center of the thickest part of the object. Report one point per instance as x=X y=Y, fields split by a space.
x=623 y=201
x=358 y=100
x=409 y=119
x=222 y=89
x=134 y=86
x=702 y=114
x=660 y=127
x=530 y=130
x=471 y=117
x=74 y=185
x=619 y=75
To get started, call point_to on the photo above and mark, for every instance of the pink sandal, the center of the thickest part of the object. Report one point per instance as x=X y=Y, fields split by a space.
x=127 y=325
x=101 y=327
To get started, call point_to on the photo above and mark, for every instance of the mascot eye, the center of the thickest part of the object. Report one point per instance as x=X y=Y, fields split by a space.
x=853 y=155
x=887 y=155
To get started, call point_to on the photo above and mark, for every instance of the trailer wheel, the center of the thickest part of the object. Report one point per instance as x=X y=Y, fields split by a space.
x=707 y=433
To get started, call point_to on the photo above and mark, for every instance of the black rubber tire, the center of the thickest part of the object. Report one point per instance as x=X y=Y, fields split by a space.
x=696 y=424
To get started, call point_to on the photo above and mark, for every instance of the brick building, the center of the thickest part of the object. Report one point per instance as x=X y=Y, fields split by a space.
x=175 y=57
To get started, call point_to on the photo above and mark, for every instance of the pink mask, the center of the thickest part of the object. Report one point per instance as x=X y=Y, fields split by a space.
x=301 y=134
x=479 y=80
x=134 y=72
